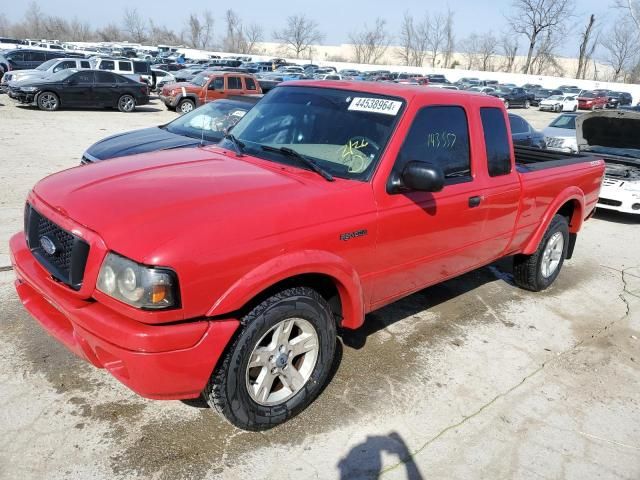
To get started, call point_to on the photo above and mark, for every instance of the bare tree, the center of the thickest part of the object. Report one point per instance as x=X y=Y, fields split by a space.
x=160 y=34
x=80 y=30
x=254 y=34
x=298 y=34
x=487 y=48
x=621 y=44
x=545 y=61
x=469 y=47
x=407 y=39
x=5 y=26
x=437 y=36
x=509 y=50
x=133 y=25
x=587 y=47
x=200 y=32
x=536 y=18
x=632 y=7
x=32 y=24
x=370 y=44
x=449 y=44
x=109 y=33
x=234 y=39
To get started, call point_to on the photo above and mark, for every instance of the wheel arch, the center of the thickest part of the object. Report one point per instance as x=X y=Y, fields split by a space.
x=569 y=204
x=37 y=97
x=331 y=276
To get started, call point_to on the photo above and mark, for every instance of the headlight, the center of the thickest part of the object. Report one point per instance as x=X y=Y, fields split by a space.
x=172 y=92
x=29 y=89
x=138 y=285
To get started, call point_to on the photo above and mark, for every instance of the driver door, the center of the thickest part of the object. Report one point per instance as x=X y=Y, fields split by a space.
x=425 y=237
x=78 y=89
x=215 y=89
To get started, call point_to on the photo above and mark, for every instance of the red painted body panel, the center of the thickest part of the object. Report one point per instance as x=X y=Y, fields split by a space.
x=231 y=227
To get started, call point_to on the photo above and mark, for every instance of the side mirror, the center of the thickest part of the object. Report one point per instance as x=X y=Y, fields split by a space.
x=418 y=176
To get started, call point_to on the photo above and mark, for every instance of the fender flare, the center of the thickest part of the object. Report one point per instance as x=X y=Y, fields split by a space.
x=572 y=193
x=345 y=277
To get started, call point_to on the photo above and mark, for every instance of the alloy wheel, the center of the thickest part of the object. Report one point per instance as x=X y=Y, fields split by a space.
x=552 y=254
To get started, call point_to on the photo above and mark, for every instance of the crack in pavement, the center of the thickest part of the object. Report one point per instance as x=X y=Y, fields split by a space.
x=505 y=393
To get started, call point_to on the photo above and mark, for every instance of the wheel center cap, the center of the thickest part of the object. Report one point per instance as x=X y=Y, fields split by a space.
x=281 y=360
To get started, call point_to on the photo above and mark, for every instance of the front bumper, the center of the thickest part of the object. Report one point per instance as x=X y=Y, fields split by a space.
x=548 y=108
x=156 y=361
x=168 y=100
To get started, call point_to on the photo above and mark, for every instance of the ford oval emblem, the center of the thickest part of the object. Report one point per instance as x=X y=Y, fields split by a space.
x=48 y=245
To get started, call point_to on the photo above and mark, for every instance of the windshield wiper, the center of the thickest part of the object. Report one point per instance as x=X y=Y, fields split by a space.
x=302 y=158
x=237 y=144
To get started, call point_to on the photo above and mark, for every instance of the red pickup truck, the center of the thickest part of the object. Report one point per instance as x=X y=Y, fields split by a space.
x=225 y=270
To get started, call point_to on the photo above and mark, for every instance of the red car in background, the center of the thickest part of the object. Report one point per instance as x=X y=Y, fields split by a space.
x=593 y=100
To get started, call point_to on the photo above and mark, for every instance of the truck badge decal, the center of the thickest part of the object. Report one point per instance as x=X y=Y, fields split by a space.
x=349 y=235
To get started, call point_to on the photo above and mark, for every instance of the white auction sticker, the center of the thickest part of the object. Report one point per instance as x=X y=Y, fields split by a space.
x=375 y=105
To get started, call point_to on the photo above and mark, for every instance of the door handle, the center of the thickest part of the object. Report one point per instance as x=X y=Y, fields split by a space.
x=475 y=201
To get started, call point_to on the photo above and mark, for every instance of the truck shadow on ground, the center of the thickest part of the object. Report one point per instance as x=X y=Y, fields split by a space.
x=365 y=459
x=618 y=217
x=425 y=300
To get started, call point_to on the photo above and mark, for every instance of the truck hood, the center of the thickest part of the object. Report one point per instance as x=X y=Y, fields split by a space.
x=188 y=86
x=139 y=203
x=614 y=129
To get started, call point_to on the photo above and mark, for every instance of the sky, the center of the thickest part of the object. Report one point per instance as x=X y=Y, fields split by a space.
x=336 y=18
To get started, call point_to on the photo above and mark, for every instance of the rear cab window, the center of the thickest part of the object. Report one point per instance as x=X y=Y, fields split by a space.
x=439 y=135
x=496 y=140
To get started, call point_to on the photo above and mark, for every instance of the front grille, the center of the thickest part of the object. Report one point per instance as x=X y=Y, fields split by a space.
x=67 y=259
x=610 y=182
x=607 y=201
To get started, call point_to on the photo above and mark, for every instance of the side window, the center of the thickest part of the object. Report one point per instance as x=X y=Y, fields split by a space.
x=34 y=57
x=496 y=140
x=83 y=78
x=64 y=65
x=107 y=65
x=518 y=125
x=439 y=135
x=85 y=64
x=250 y=83
x=51 y=55
x=105 y=77
x=218 y=83
x=234 y=83
x=124 y=67
x=16 y=57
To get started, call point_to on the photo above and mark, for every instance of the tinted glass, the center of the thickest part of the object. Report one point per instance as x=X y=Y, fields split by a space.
x=83 y=78
x=518 y=125
x=564 y=121
x=15 y=56
x=251 y=85
x=34 y=57
x=85 y=64
x=50 y=55
x=46 y=65
x=124 y=67
x=107 y=65
x=234 y=83
x=64 y=65
x=496 y=140
x=105 y=77
x=439 y=135
x=218 y=83
x=140 y=67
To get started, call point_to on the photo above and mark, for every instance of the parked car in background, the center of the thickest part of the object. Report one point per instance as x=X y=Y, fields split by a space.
x=204 y=125
x=542 y=94
x=81 y=89
x=618 y=99
x=25 y=59
x=560 y=135
x=437 y=78
x=44 y=70
x=187 y=74
x=207 y=87
x=514 y=97
x=485 y=90
x=559 y=103
x=592 y=100
x=524 y=134
x=162 y=78
x=614 y=137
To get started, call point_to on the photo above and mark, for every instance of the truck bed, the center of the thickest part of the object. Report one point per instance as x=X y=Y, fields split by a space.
x=534 y=159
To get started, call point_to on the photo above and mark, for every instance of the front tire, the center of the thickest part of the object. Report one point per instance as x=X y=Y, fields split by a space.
x=126 y=103
x=185 y=106
x=278 y=363
x=527 y=104
x=538 y=271
x=48 y=101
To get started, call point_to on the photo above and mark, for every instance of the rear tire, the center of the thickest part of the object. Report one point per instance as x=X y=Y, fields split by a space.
x=281 y=382
x=527 y=104
x=48 y=101
x=538 y=271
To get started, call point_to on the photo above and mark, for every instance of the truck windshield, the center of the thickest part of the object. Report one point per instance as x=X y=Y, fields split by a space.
x=344 y=132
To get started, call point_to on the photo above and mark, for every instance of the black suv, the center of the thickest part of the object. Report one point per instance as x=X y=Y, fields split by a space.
x=618 y=99
x=26 y=59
